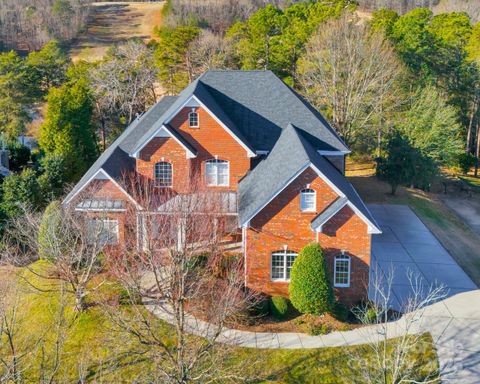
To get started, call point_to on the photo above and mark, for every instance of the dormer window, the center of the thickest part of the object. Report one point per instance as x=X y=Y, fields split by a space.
x=308 y=201
x=193 y=119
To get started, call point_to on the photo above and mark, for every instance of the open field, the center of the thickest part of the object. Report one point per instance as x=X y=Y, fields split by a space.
x=115 y=22
x=455 y=235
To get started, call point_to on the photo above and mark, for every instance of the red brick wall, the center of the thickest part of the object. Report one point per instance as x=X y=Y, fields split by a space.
x=107 y=189
x=282 y=223
x=211 y=139
x=165 y=149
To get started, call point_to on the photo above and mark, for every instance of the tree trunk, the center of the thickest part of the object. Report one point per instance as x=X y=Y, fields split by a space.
x=470 y=126
x=80 y=304
x=477 y=148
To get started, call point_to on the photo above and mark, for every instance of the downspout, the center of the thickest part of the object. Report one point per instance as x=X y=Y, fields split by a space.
x=244 y=235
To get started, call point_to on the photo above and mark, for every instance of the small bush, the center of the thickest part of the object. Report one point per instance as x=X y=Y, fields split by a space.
x=465 y=161
x=318 y=329
x=279 y=307
x=341 y=312
x=370 y=316
x=310 y=288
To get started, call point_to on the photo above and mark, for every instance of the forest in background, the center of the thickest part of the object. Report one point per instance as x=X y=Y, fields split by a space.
x=407 y=82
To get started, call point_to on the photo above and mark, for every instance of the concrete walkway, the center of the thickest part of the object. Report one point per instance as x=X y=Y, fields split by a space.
x=454 y=323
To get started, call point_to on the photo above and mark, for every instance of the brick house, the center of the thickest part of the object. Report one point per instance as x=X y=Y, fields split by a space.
x=253 y=138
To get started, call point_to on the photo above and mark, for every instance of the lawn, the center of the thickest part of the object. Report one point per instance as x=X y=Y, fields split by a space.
x=454 y=234
x=115 y=22
x=99 y=353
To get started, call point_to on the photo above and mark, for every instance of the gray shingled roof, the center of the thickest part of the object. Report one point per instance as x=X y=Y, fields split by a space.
x=256 y=106
x=290 y=156
x=115 y=160
x=261 y=106
x=328 y=212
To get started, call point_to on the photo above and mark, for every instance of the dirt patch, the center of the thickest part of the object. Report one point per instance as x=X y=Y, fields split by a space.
x=451 y=229
x=116 y=22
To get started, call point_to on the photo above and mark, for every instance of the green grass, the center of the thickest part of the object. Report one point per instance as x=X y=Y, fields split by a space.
x=471 y=180
x=93 y=341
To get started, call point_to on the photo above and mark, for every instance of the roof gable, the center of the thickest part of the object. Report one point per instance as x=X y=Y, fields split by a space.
x=281 y=168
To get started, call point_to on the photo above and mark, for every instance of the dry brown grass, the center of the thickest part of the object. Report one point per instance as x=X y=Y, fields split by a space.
x=116 y=22
x=454 y=234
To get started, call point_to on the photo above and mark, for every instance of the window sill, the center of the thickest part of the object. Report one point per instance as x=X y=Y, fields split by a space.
x=341 y=285
x=280 y=280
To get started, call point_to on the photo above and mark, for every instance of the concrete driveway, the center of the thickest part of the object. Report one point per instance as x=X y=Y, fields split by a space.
x=454 y=323
x=407 y=246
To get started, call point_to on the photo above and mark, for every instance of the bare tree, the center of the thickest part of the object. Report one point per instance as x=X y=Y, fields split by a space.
x=396 y=337
x=123 y=85
x=27 y=25
x=208 y=51
x=71 y=244
x=23 y=354
x=179 y=270
x=352 y=75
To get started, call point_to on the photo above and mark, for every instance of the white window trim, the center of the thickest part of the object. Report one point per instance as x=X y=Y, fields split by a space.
x=210 y=161
x=104 y=222
x=284 y=254
x=342 y=257
x=155 y=175
x=198 y=119
x=302 y=200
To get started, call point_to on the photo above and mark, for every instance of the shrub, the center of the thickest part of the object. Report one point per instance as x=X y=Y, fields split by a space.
x=310 y=288
x=18 y=156
x=465 y=161
x=370 y=315
x=20 y=189
x=279 y=307
x=340 y=312
x=318 y=329
x=46 y=232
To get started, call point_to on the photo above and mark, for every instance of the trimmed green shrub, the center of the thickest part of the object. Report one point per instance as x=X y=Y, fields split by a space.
x=279 y=307
x=340 y=312
x=310 y=288
x=370 y=316
x=465 y=161
x=46 y=232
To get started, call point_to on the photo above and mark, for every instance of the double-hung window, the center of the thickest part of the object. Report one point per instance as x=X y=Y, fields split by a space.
x=163 y=174
x=193 y=119
x=103 y=231
x=308 y=200
x=217 y=172
x=341 y=276
x=281 y=265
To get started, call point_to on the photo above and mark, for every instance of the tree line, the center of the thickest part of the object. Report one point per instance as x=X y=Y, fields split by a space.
x=27 y=25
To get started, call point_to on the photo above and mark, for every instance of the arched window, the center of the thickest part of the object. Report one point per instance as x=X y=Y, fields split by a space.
x=281 y=265
x=341 y=274
x=163 y=174
x=217 y=172
x=193 y=119
x=308 y=200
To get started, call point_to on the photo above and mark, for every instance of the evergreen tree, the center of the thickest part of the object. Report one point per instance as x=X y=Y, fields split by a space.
x=18 y=189
x=68 y=129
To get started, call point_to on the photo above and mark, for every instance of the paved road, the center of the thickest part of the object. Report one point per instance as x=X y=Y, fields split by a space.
x=406 y=243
